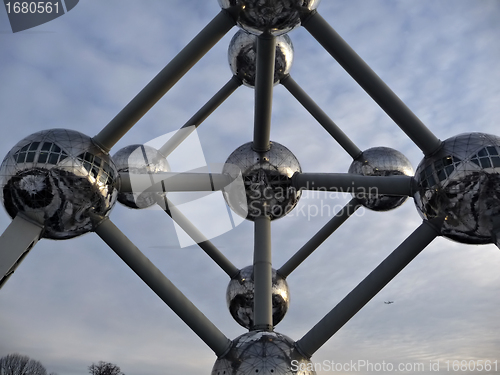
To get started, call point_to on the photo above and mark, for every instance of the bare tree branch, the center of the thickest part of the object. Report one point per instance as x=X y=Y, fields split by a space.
x=104 y=368
x=17 y=364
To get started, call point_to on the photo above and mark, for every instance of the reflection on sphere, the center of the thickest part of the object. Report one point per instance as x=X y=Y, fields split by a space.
x=240 y=297
x=139 y=159
x=268 y=181
x=461 y=183
x=272 y=16
x=242 y=57
x=381 y=161
x=56 y=177
x=264 y=353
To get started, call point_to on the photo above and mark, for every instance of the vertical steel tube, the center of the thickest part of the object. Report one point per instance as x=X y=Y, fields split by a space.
x=325 y=232
x=264 y=82
x=371 y=83
x=262 y=274
x=162 y=286
x=321 y=116
x=167 y=78
x=200 y=116
x=367 y=289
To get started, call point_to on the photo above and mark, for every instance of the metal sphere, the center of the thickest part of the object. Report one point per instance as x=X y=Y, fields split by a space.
x=263 y=353
x=268 y=181
x=381 y=161
x=461 y=184
x=242 y=53
x=240 y=297
x=56 y=177
x=276 y=17
x=139 y=159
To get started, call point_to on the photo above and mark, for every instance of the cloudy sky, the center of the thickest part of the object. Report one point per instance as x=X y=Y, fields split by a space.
x=72 y=303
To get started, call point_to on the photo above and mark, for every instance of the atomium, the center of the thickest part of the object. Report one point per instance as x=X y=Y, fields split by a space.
x=240 y=297
x=270 y=16
x=267 y=353
x=63 y=181
x=139 y=159
x=242 y=57
x=57 y=177
x=268 y=181
x=381 y=161
x=461 y=184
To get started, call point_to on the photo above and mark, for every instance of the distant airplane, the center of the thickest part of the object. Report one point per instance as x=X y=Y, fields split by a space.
x=388 y=302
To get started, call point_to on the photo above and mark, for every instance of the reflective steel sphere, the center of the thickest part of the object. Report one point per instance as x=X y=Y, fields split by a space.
x=240 y=292
x=263 y=353
x=56 y=177
x=381 y=161
x=461 y=183
x=139 y=159
x=242 y=53
x=272 y=16
x=268 y=181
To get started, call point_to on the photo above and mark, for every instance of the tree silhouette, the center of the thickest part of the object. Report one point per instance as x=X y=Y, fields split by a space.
x=17 y=364
x=104 y=368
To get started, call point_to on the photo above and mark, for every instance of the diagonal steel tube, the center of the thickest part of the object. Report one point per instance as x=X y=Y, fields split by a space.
x=371 y=83
x=167 y=78
x=353 y=183
x=367 y=289
x=161 y=285
x=264 y=82
x=262 y=275
x=325 y=121
x=200 y=116
x=206 y=245
x=345 y=213
x=15 y=243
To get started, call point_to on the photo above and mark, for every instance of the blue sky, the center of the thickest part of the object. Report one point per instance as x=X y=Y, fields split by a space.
x=72 y=303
